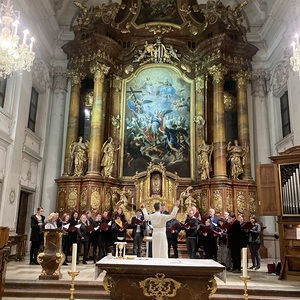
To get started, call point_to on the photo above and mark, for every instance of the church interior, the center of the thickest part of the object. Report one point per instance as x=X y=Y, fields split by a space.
x=131 y=102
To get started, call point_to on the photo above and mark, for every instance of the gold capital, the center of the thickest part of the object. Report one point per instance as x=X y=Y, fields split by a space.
x=217 y=72
x=76 y=76
x=241 y=78
x=99 y=71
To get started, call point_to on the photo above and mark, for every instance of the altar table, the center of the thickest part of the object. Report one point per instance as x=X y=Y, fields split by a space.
x=159 y=278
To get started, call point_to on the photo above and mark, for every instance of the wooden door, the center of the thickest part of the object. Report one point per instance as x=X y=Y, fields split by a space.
x=268 y=190
x=23 y=206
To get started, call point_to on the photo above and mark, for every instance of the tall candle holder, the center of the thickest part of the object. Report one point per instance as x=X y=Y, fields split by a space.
x=73 y=274
x=245 y=279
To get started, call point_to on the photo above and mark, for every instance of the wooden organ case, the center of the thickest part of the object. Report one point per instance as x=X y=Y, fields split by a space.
x=280 y=181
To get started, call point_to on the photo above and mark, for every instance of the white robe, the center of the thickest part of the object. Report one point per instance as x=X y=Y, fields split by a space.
x=159 y=236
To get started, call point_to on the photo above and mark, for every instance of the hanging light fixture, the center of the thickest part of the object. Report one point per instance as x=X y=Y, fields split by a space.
x=295 y=59
x=14 y=56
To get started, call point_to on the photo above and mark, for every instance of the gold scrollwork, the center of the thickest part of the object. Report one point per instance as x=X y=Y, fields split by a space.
x=229 y=201
x=212 y=287
x=95 y=199
x=252 y=203
x=241 y=202
x=204 y=202
x=72 y=198
x=159 y=286
x=83 y=201
x=108 y=283
x=217 y=198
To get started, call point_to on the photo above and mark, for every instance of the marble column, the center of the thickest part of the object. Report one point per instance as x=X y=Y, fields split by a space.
x=219 y=135
x=259 y=90
x=243 y=121
x=53 y=163
x=72 y=130
x=97 y=121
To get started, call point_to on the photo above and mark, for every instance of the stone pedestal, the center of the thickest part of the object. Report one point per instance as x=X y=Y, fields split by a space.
x=52 y=258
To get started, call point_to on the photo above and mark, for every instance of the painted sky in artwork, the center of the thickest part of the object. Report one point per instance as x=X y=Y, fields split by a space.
x=157 y=122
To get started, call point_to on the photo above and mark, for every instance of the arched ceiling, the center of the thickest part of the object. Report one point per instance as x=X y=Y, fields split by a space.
x=254 y=13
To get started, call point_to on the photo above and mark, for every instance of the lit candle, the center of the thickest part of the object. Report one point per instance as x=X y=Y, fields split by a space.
x=25 y=32
x=293 y=44
x=132 y=200
x=245 y=262
x=31 y=43
x=16 y=23
x=74 y=257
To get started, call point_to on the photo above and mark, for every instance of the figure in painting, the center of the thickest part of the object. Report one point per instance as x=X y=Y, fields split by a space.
x=108 y=158
x=204 y=154
x=236 y=156
x=78 y=157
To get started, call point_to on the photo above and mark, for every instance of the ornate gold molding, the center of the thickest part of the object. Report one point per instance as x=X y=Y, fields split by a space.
x=106 y=12
x=108 y=283
x=72 y=199
x=217 y=200
x=160 y=287
x=76 y=76
x=95 y=199
x=99 y=71
x=217 y=72
x=241 y=202
x=242 y=78
x=212 y=287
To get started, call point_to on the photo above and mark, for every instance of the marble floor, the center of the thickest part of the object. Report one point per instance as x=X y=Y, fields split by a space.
x=260 y=279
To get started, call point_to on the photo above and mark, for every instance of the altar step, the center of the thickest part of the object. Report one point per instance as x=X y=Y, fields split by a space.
x=236 y=292
x=16 y=289
x=56 y=289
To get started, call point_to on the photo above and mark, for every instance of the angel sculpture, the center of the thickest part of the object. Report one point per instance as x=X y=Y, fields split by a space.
x=236 y=156
x=204 y=154
x=124 y=196
x=78 y=157
x=108 y=158
x=186 y=197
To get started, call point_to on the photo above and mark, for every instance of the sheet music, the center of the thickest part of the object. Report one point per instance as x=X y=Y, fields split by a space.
x=66 y=226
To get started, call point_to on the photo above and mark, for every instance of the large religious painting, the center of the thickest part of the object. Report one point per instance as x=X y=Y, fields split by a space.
x=157 y=123
x=158 y=11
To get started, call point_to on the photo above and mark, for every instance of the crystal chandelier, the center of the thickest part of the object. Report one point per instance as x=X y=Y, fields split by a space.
x=295 y=59
x=13 y=56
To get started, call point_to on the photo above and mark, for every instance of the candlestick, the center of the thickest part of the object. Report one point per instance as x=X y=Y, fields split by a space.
x=72 y=289
x=74 y=257
x=245 y=280
x=245 y=262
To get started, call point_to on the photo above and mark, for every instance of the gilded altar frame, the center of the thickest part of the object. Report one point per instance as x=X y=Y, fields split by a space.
x=164 y=190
